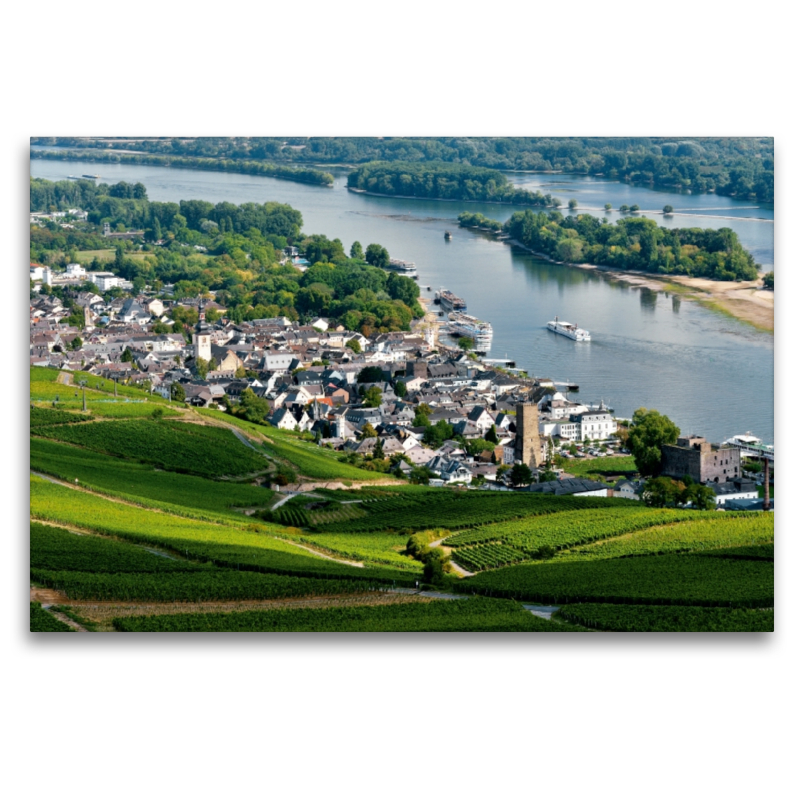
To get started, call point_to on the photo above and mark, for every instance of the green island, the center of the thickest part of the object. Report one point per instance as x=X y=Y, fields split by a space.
x=442 y=181
x=632 y=243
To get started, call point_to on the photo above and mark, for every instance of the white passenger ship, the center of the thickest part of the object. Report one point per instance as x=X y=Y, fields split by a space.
x=569 y=330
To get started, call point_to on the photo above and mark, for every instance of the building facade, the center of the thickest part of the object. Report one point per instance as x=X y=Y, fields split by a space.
x=701 y=460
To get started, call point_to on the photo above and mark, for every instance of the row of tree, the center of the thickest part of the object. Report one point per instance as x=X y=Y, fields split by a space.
x=736 y=166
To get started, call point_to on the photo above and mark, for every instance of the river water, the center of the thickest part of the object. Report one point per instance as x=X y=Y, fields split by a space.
x=711 y=374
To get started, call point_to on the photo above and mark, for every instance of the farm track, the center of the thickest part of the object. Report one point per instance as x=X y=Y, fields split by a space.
x=102 y=612
x=456 y=567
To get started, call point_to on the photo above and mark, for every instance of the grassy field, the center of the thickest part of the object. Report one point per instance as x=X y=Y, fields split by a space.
x=603 y=468
x=84 y=257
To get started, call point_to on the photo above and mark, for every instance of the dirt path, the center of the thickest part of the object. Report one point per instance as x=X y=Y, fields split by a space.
x=456 y=567
x=102 y=612
x=61 y=617
x=319 y=554
x=49 y=596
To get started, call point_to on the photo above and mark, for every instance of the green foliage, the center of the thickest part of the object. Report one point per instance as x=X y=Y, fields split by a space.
x=177 y=392
x=672 y=580
x=42 y=622
x=769 y=281
x=521 y=475
x=41 y=417
x=357 y=251
x=427 y=508
x=353 y=345
x=634 y=243
x=373 y=397
x=141 y=483
x=437 y=564
x=649 y=430
x=474 y=614
x=441 y=181
x=488 y=556
x=377 y=256
x=670 y=619
x=174 y=446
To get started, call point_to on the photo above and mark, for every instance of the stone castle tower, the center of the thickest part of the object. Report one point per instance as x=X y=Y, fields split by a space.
x=528 y=447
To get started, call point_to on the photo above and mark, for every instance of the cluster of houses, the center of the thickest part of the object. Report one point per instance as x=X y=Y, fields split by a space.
x=308 y=374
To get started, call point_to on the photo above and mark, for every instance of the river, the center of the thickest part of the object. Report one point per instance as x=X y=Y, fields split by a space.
x=711 y=374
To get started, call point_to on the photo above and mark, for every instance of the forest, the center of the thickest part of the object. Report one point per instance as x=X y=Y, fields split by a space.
x=441 y=181
x=235 y=251
x=632 y=243
x=734 y=166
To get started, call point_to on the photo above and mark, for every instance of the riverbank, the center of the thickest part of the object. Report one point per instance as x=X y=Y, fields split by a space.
x=448 y=199
x=746 y=301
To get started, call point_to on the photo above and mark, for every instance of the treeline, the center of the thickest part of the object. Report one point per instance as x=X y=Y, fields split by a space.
x=234 y=251
x=479 y=222
x=735 y=166
x=280 y=171
x=634 y=243
x=442 y=181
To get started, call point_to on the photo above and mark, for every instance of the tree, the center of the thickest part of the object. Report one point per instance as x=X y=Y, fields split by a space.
x=255 y=408
x=521 y=475
x=201 y=368
x=573 y=204
x=377 y=451
x=241 y=372
x=478 y=480
x=608 y=206
x=466 y=343
x=634 y=208
x=127 y=356
x=76 y=343
x=668 y=209
x=353 y=345
x=177 y=392
x=368 y=432
x=436 y=435
x=547 y=475
x=623 y=209
x=370 y=375
x=421 y=475
x=491 y=436
x=357 y=251
x=158 y=413
x=400 y=389
x=437 y=563
x=377 y=256
x=373 y=397
x=769 y=281
x=662 y=492
x=648 y=432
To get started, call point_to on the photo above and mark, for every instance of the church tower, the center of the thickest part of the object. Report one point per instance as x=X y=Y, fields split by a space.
x=201 y=339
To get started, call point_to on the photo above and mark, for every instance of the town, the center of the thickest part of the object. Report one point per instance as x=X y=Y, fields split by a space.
x=411 y=402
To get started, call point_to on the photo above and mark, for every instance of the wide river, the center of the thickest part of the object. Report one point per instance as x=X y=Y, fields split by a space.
x=711 y=374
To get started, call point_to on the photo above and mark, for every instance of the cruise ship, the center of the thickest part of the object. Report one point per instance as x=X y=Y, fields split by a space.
x=480 y=332
x=449 y=301
x=408 y=268
x=569 y=330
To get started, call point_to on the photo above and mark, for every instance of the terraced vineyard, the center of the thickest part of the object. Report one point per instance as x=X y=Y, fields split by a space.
x=41 y=417
x=175 y=446
x=378 y=548
x=42 y=622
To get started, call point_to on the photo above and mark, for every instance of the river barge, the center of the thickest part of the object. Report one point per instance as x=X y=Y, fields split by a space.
x=473 y=328
x=407 y=268
x=449 y=301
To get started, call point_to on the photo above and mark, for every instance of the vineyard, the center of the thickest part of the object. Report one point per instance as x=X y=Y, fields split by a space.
x=379 y=548
x=96 y=568
x=416 y=511
x=42 y=622
x=175 y=446
x=141 y=483
x=310 y=460
x=220 y=544
x=696 y=534
x=487 y=556
x=42 y=417
x=571 y=528
x=636 y=618
x=477 y=614
x=671 y=580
